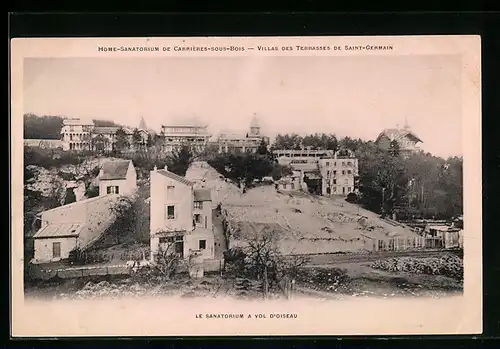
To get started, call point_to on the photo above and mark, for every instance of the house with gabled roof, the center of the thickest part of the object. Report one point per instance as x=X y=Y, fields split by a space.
x=406 y=139
x=181 y=216
x=117 y=177
x=68 y=227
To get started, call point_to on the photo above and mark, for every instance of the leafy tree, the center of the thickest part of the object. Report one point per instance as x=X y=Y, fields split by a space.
x=105 y=123
x=100 y=143
x=70 y=196
x=262 y=149
x=137 y=140
x=180 y=160
x=42 y=127
x=280 y=171
x=122 y=141
x=394 y=148
x=287 y=141
x=132 y=219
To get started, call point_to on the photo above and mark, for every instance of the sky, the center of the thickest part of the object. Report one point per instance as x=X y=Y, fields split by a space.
x=348 y=96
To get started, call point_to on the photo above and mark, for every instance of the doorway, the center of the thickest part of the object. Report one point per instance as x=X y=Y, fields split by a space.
x=179 y=248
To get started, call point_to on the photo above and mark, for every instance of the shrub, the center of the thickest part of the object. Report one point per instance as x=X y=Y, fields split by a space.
x=448 y=265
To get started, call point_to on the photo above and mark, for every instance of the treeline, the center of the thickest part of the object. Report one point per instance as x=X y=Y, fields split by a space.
x=421 y=185
x=49 y=126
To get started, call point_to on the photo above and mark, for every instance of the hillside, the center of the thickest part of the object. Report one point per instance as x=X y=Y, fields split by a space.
x=304 y=223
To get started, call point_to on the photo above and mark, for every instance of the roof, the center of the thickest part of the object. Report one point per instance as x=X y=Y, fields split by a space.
x=77 y=121
x=59 y=230
x=115 y=169
x=202 y=194
x=397 y=134
x=175 y=177
x=185 y=122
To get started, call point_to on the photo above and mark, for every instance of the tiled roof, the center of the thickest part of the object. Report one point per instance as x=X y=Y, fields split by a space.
x=175 y=177
x=202 y=194
x=58 y=230
x=115 y=169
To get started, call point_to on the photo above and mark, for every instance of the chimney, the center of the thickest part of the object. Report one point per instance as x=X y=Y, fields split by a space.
x=166 y=168
x=101 y=172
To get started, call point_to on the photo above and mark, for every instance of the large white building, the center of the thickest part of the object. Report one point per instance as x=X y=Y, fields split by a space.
x=244 y=143
x=333 y=173
x=76 y=134
x=189 y=132
x=181 y=217
x=339 y=175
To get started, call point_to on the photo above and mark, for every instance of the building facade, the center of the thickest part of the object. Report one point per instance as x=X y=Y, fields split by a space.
x=76 y=134
x=242 y=143
x=326 y=170
x=193 y=134
x=339 y=175
x=72 y=226
x=181 y=217
x=79 y=135
x=117 y=177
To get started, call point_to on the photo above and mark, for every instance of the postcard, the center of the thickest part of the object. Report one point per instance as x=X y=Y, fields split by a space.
x=205 y=186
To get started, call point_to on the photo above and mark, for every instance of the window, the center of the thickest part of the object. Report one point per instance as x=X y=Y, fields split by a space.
x=112 y=189
x=334 y=189
x=284 y=186
x=334 y=181
x=170 y=212
x=168 y=239
x=197 y=218
x=349 y=163
x=170 y=191
x=334 y=172
x=349 y=172
x=202 y=244
x=328 y=173
x=343 y=172
x=346 y=181
x=292 y=186
x=56 y=249
x=327 y=163
x=348 y=189
x=198 y=204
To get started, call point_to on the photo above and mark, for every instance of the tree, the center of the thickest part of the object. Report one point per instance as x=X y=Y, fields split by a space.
x=137 y=140
x=394 y=148
x=180 y=160
x=122 y=143
x=287 y=141
x=132 y=219
x=100 y=143
x=70 y=196
x=42 y=127
x=280 y=171
x=262 y=149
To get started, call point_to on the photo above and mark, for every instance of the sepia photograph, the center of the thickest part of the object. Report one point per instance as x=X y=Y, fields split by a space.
x=257 y=172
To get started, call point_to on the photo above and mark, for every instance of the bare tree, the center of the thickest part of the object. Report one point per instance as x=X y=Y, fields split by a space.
x=167 y=260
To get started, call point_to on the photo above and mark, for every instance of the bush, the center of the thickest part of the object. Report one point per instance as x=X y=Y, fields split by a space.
x=448 y=265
